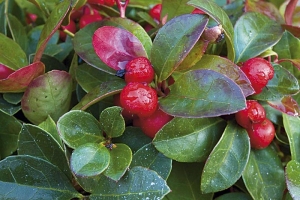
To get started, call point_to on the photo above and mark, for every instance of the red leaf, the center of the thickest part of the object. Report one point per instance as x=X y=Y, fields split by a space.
x=116 y=46
x=289 y=11
x=19 y=80
x=287 y=105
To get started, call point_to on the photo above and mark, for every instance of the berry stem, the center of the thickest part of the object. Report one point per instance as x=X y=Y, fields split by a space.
x=69 y=32
x=122 y=4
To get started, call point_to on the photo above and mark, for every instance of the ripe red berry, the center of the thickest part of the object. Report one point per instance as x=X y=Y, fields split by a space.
x=89 y=18
x=198 y=11
x=259 y=71
x=261 y=134
x=96 y=2
x=70 y=27
x=125 y=113
x=139 y=99
x=155 y=11
x=152 y=124
x=5 y=71
x=139 y=70
x=253 y=113
x=109 y=2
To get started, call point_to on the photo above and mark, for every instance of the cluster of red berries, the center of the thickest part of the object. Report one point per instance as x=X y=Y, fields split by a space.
x=139 y=100
x=260 y=129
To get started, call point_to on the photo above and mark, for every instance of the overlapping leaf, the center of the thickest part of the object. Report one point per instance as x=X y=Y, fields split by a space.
x=292 y=173
x=292 y=128
x=174 y=8
x=286 y=105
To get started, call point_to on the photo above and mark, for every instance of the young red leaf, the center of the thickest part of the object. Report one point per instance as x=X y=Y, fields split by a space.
x=116 y=46
x=287 y=105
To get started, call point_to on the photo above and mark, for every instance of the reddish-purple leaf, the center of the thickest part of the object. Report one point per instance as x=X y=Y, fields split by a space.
x=287 y=105
x=289 y=11
x=116 y=46
x=19 y=80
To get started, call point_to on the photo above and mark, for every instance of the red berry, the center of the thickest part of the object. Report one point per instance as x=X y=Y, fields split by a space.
x=70 y=27
x=139 y=99
x=261 y=134
x=152 y=124
x=5 y=71
x=253 y=113
x=89 y=18
x=155 y=12
x=96 y=2
x=125 y=113
x=31 y=18
x=259 y=71
x=197 y=11
x=109 y=2
x=139 y=70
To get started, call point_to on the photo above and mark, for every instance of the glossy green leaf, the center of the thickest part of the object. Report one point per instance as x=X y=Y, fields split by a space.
x=174 y=41
x=264 y=174
x=89 y=159
x=18 y=31
x=36 y=142
x=228 y=68
x=50 y=127
x=9 y=48
x=292 y=129
x=49 y=94
x=292 y=172
x=112 y=121
x=26 y=177
x=78 y=127
x=13 y=98
x=286 y=104
x=120 y=159
x=203 y=93
x=100 y=92
x=283 y=83
x=83 y=40
x=189 y=140
x=219 y=15
x=254 y=34
x=3 y=21
x=227 y=160
x=8 y=108
x=184 y=182
x=234 y=195
x=138 y=183
x=9 y=133
x=174 y=8
x=52 y=24
x=149 y=157
x=89 y=77
x=133 y=137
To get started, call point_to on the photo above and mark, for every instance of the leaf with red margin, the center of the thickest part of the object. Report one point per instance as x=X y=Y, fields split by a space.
x=296 y=62
x=116 y=46
x=20 y=79
x=295 y=30
x=287 y=105
x=289 y=11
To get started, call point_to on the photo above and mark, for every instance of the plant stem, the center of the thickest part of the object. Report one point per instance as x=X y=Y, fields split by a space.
x=122 y=4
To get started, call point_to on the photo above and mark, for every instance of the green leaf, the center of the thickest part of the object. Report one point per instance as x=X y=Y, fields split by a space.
x=227 y=160
x=78 y=127
x=13 y=98
x=219 y=15
x=120 y=159
x=184 y=182
x=292 y=128
x=234 y=195
x=9 y=133
x=174 y=8
x=203 y=93
x=52 y=24
x=50 y=127
x=254 y=34
x=264 y=174
x=292 y=172
x=48 y=94
x=36 y=142
x=228 y=68
x=133 y=137
x=89 y=159
x=149 y=157
x=89 y=77
x=112 y=121
x=138 y=183
x=100 y=92
x=9 y=48
x=283 y=83
x=174 y=41
x=189 y=140
x=35 y=177
x=8 y=108
x=18 y=31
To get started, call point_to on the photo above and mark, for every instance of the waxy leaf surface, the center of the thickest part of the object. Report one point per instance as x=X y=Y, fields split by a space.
x=174 y=8
x=174 y=41
x=33 y=178
x=219 y=15
x=292 y=129
x=189 y=140
x=227 y=160
x=264 y=174
x=116 y=46
x=112 y=121
x=234 y=195
x=48 y=94
x=50 y=127
x=286 y=105
x=78 y=127
x=292 y=173
x=89 y=159
x=203 y=93
x=8 y=108
x=254 y=34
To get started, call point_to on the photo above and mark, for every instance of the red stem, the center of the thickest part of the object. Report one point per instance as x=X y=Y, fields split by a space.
x=122 y=4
